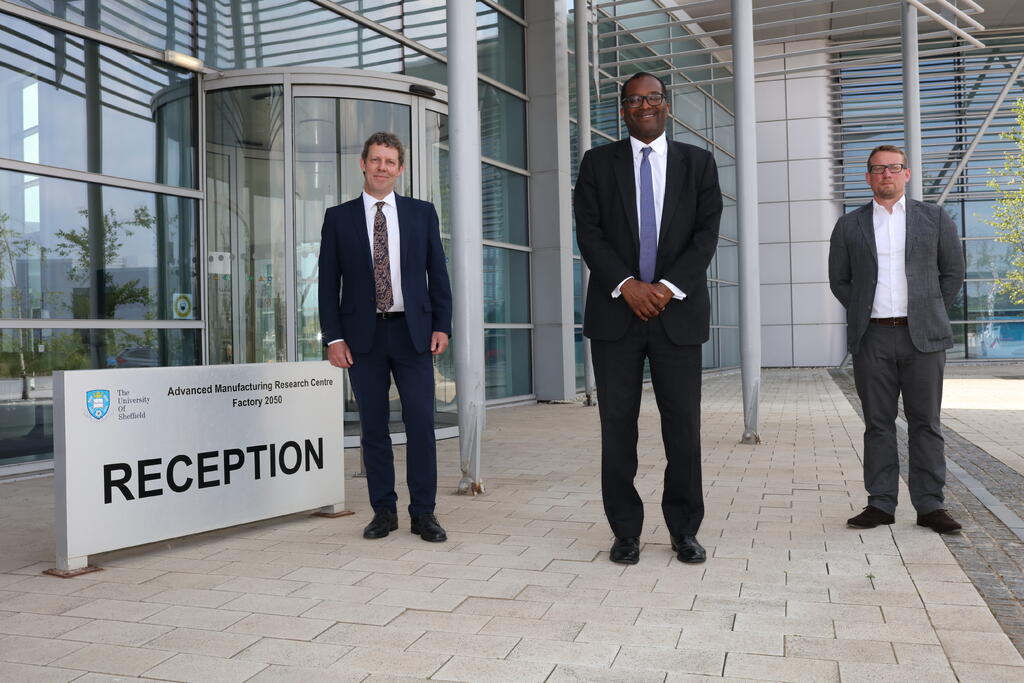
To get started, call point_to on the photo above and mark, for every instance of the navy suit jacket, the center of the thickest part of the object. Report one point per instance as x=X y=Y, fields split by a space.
x=608 y=234
x=346 y=290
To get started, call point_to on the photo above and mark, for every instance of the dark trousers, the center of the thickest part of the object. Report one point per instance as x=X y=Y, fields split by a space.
x=392 y=354
x=886 y=366
x=676 y=376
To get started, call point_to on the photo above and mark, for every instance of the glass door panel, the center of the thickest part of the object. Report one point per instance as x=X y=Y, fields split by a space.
x=329 y=136
x=436 y=176
x=246 y=228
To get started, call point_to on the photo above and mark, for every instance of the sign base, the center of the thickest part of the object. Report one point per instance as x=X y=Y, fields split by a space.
x=333 y=512
x=68 y=573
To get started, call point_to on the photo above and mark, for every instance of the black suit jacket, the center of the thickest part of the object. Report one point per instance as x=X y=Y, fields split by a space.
x=346 y=290
x=608 y=234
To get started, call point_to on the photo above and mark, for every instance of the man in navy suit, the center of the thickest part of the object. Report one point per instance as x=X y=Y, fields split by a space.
x=385 y=308
x=647 y=213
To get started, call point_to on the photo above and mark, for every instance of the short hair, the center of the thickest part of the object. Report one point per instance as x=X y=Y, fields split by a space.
x=385 y=139
x=887 y=148
x=641 y=74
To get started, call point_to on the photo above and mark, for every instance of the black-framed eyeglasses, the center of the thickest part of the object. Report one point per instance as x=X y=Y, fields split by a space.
x=879 y=169
x=654 y=99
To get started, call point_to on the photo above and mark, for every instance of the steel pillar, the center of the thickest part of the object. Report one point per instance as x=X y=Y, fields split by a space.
x=467 y=246
x=582 y=21
x=912 y=102
x=746 y=213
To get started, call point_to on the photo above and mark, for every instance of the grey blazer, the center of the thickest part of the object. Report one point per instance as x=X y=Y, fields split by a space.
x=935 y=272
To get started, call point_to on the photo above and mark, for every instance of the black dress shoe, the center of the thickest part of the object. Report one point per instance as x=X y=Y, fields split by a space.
x=869 y=518
x=428 y=528
x=688 y=550
x=939 y=521
x=625 y=550
x=383 y=523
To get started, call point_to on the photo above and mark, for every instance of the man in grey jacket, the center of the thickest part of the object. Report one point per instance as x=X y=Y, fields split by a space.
x=897 y=265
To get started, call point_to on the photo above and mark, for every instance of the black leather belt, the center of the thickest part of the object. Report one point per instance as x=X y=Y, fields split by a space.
x=387 y=315
x=890 y=322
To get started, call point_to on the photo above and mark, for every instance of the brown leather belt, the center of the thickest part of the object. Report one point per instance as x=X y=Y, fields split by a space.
x=890 y=322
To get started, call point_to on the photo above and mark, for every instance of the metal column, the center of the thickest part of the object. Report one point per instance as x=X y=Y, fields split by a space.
x=582 y=21
x=467 y=247
x=746 y=212
x=912 y=102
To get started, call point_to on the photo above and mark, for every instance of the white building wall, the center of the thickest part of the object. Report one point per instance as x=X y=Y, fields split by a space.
x=801 y=322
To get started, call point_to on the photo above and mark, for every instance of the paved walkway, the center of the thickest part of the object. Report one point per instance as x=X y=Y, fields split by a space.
x=523 y=590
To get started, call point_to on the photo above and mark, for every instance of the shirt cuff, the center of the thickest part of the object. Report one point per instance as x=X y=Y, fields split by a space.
x=617 y=292
x=676 y=292
x=334 y=341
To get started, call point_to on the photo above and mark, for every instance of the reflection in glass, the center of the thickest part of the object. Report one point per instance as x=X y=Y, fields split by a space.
x=581 y=378
x=727 y=258
x=577 y=291
x=245 y=218
x=729 y=227
x=507 y=363
x=329 y=137
x=996 y=339
x=728 y=304
x=28 y=359
x=986 y=302
x=76 y=104
x=170 y=28
x=438 y=177
x=299 y=33
x=79 y=250
x=988 y=258
x=502 y=126
x=504 y=206
x=506 y=285
x=500 y=47
x=728 y=347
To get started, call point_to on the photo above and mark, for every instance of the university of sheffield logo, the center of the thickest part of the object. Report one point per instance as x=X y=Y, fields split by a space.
x=97 y=402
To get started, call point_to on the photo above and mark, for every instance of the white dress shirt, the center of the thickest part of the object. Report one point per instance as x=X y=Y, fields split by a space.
x=394 y=245
x=658 y=158
x=890 y=243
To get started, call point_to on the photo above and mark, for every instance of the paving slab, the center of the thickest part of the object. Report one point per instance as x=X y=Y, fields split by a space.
x=523 y=590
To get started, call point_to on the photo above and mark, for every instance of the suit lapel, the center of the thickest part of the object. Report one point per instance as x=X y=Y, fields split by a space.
x=675 y=176
x=867 y=228
x=404 y=227
x=914 y=228
x=358 y=218
x=627 y=188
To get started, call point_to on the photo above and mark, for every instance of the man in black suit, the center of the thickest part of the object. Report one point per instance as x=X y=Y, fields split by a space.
x=383 y=253
x=647 y=213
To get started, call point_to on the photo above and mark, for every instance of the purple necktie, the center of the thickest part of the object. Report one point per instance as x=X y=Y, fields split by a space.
x=648 y=222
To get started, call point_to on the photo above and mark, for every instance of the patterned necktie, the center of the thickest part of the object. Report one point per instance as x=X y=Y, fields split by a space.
x=381 y=261
x=648 y=222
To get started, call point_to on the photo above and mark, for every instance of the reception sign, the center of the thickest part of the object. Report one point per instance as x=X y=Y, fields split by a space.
x=144 y=455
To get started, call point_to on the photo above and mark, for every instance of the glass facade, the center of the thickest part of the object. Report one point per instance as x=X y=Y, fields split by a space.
x=99 y=212
x=115 y=253
x=152 y=216
x=957 y=92
x=700 y=115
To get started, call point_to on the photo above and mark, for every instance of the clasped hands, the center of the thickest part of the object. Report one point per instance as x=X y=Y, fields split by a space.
x=646 y=299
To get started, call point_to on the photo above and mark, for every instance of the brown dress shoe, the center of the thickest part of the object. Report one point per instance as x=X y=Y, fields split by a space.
x=939 y=521
x=869 y=518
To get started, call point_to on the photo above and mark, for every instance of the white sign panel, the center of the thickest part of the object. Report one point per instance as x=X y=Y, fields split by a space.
x=148 y=454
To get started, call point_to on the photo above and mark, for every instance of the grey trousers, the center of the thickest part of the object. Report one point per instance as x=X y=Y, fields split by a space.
x=887 y=365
